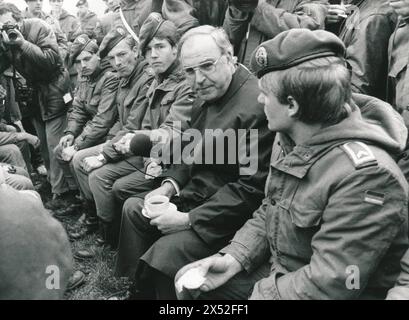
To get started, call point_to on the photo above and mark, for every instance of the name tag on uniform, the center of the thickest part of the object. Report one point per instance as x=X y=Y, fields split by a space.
x=67 y=98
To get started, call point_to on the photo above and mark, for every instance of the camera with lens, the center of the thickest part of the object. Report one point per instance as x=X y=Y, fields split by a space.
x=24 y=94
x=10 y=30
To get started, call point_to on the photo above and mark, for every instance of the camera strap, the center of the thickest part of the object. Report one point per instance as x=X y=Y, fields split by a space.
x=13 y=60
x=127 y=26
x=247 y=37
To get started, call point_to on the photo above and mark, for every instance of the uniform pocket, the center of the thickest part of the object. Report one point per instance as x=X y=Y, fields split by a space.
x=167 y=101
x=304 y=217
x=94 y=103
x=299 y=223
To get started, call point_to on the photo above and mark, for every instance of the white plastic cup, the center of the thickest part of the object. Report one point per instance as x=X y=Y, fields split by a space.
x=156 y=206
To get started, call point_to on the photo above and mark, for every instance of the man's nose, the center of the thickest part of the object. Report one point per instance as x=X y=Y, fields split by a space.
x=199 y=76
x=118 y=61
x=154 y=53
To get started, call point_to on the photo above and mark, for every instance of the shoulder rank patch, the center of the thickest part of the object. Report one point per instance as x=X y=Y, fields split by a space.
x=262 y=57
x=375 y=198
x=360 y=154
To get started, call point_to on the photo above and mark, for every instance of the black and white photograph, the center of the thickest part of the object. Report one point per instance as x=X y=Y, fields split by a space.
x=204 y=154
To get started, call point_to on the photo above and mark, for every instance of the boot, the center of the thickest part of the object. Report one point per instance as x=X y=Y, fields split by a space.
x=108 y=234
x=64 y=203
x=89 y=224
x=102 y=233
x=101 y=240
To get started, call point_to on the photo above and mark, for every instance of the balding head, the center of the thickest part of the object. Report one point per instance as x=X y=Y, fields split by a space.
x=207 y=58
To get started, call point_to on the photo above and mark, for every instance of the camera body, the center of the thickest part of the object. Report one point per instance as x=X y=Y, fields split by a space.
x=24 y=94
x=10 y=30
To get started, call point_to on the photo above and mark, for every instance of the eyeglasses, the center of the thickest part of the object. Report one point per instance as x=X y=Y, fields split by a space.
x=205 y=68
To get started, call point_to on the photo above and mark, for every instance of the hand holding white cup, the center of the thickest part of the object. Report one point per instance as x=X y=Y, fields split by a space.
x=156 y=206
x=193 y=279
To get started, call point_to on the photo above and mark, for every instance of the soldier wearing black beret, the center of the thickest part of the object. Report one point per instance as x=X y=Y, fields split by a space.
x=130 y=101
x=327 y=228
x=81 y=43
x=114 y=37
x=157 y=27
x=284 y=51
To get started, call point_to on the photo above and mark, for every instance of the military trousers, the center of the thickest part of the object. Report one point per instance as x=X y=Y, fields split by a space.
x=50 y=132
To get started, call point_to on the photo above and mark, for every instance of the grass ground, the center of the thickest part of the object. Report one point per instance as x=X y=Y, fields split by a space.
x=100 y=284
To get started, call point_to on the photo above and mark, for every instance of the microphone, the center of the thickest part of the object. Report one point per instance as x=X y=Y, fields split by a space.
x=141 y=145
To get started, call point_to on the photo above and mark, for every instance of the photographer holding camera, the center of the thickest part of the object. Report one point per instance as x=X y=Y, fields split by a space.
x=30 y=46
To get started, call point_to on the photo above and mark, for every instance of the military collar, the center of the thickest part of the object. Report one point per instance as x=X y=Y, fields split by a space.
x=174 y=73
x=140 y=65
x=96 y=75
x=298 y=160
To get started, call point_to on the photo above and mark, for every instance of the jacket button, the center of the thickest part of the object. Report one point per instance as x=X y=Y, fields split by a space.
x=273 y=202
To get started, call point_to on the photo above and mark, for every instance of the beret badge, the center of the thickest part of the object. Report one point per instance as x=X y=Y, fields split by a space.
x=261 y=57
x=121 y=31
x=81 y=40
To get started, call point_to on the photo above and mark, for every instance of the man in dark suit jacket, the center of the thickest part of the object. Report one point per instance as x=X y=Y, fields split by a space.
x=214 y=198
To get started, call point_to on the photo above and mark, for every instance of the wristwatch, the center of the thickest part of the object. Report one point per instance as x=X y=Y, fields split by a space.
x=101 y=158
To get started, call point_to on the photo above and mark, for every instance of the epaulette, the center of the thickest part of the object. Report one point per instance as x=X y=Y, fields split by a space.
x=360 y=154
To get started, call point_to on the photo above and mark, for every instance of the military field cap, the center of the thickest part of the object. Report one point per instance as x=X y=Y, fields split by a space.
x=81 y=3
x=156 y=26
x=82 y=43
x=111 y=40
x=293 y=47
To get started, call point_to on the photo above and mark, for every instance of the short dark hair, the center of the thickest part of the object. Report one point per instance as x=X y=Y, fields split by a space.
x=321 y=88
x=9 y=7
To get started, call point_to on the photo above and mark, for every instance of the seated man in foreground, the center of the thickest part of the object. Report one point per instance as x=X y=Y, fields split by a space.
x=215 y=192
x=35 y=260
x=326 y=229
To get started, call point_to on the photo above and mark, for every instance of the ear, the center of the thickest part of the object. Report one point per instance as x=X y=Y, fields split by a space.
x=293 y=107
x=175 y=50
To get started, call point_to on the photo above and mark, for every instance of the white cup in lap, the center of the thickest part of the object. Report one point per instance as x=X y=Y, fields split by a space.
x=156 y=206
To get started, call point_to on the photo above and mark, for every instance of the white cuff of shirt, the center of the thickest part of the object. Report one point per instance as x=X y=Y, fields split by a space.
x=174 y=183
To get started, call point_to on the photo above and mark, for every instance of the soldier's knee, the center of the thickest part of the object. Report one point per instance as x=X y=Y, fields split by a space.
x=97 y=178
x=76 y=162
x=132 y=205
x=19 y=182
x=132 y=210
x=13 y=149
x=119 y=190
x=11 y=154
